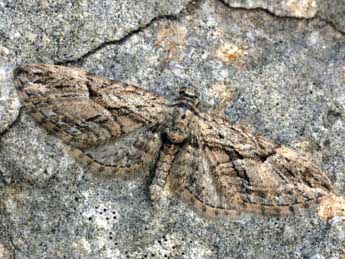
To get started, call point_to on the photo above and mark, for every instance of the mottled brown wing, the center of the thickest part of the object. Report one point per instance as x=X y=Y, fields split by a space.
x=137 y=151
x=87 y=111
x=227 y=170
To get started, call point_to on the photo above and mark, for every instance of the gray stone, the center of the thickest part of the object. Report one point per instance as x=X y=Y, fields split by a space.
x=334 y=12
x=9 y=103
x=283 y=78
x=331 y=11
x=292 y=8
x=46 y=31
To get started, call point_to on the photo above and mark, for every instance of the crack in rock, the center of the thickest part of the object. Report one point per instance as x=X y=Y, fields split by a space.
x=270 y=11
x=12 y=124
x=81 y=59
x=171 y=17
x=187 y=10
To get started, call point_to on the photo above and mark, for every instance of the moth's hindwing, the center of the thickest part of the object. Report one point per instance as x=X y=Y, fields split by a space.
x=89 y=112
x=226 y=170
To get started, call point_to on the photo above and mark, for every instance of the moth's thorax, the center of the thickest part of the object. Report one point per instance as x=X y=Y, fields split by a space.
x=179 y=131
x=188 y=96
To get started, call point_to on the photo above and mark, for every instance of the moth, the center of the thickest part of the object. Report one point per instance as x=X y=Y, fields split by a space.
x=219 y=167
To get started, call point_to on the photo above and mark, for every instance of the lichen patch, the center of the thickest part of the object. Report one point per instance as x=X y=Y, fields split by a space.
x=223 y=93
x=232 y=54
x=5 y=252
x=302 y=8
x=171 y=38
x=332 y=206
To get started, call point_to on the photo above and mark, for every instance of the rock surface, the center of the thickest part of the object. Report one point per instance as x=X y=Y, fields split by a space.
x=283 y=77
x=292 y=8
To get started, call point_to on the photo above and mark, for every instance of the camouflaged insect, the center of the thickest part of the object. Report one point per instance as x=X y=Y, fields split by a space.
x=219 y=167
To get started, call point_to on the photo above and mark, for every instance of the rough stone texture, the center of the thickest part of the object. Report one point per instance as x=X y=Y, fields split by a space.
x=284 y=77
x=45 y=30
x=330 y=11
x=293 y=8
x=9 y=103
x=333 y=11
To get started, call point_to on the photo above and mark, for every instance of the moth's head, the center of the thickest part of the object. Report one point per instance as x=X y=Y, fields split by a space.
x=189 y=94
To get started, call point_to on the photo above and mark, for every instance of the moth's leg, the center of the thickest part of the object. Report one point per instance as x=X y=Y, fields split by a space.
x=162 y=169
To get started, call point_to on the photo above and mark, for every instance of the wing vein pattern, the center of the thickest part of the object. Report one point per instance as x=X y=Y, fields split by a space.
x=219 y=167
